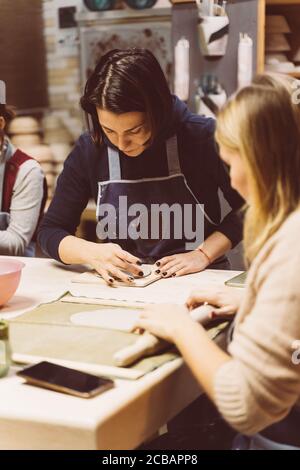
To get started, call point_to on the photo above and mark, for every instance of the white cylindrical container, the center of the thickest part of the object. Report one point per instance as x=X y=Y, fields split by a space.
x=182 y=69
x=245 y=60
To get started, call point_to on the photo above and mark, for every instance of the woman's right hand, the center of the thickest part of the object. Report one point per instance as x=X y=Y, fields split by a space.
x=109 y=260
x=225 y=300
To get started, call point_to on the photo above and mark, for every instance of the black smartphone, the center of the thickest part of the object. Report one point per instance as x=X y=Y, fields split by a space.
x=63 y=379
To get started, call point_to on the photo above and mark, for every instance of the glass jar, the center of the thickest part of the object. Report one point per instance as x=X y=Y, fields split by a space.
x=5 y=354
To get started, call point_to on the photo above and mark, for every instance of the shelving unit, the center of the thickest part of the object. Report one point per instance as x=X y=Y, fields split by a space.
x=283 y=2
x=290 y=9
x=295 y=74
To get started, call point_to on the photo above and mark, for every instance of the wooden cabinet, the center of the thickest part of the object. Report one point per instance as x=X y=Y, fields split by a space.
x=22 y=53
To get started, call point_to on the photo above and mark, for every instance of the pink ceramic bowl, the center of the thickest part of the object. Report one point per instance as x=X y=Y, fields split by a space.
x=10 y=274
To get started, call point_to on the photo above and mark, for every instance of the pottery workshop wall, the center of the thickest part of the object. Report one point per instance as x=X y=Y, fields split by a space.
x=63 y=61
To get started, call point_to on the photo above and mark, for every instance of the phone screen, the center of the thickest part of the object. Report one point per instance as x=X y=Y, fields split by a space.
x=64 y=377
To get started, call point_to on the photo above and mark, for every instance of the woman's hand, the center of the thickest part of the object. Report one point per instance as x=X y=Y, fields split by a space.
x=182 y=263
x=164 y=321
x=226 y=300
x=109 y=260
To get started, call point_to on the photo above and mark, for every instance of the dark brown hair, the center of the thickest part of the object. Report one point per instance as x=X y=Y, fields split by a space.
x=7 y=112
x=126 y=81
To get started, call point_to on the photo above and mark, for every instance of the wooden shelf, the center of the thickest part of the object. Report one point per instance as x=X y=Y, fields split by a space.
x=283 y=2
x=290 y=9
x=261 y=36
x=295 y=74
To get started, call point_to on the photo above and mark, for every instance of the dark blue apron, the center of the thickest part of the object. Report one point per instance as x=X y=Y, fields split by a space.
x=167 y=190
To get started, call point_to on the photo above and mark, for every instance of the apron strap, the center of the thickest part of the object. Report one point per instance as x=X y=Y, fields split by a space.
x=173 y=156
x=113 y=164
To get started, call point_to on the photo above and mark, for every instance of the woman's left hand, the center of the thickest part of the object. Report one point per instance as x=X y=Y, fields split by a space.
x=182 y=263
x=164 y=321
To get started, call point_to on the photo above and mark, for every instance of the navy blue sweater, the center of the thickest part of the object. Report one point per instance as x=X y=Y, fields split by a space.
x=200 y=163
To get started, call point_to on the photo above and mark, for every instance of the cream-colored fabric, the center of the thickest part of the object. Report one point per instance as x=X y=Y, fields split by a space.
x=260 y=384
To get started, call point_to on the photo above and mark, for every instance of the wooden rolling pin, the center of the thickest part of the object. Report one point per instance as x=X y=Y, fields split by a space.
x=202 y=314
x=146 y=345
x=149 y=345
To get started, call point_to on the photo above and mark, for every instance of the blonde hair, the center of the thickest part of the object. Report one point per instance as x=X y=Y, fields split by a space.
x=262 y=123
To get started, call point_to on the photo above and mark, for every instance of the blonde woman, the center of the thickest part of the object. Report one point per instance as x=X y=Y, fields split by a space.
x=256 y=384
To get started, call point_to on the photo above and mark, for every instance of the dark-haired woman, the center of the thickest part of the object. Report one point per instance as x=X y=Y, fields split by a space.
x=145 y=148
x=22 y=192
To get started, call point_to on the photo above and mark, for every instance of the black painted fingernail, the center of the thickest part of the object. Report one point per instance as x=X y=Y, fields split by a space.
x=164 y=274
x=173 y=275
x=111 y=280
x=141 y=273
x=158 y=263
x=139 y=263
x=130 y=278
x=157 y=271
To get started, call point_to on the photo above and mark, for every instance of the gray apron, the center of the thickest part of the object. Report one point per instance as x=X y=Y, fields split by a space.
x=164 y=191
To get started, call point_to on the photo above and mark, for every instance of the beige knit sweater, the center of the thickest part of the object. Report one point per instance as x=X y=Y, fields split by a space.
x=261 y=383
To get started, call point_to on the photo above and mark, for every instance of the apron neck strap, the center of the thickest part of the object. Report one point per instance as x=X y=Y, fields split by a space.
x=114 y=166
x=172 y=155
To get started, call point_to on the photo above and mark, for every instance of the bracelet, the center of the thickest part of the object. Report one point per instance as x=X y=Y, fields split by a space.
x=206 y=256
